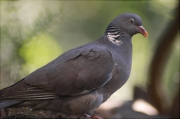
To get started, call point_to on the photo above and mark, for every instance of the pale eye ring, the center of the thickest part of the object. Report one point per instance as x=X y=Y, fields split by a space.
x=132 y=20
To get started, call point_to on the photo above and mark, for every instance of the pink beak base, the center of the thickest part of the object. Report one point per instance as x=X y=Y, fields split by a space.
x=143 y=31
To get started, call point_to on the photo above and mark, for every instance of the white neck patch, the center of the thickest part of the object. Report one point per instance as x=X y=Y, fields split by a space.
x=113 y=38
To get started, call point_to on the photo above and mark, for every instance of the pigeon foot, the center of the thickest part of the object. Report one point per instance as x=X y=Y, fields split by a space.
x=93 y=116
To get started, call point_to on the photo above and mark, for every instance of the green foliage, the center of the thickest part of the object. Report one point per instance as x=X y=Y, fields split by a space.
x=39 y=51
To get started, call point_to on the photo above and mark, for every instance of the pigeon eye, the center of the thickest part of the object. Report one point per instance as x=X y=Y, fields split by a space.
x=132 y=20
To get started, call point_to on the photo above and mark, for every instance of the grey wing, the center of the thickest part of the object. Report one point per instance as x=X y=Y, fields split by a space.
x=77 y=71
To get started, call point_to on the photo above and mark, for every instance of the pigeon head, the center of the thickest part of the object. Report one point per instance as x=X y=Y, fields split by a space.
x=127 y=23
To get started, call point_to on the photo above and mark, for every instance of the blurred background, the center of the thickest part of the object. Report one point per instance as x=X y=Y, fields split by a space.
x=35 y=32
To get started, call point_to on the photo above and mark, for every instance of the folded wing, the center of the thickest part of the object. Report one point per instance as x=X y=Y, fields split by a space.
x=76 y=72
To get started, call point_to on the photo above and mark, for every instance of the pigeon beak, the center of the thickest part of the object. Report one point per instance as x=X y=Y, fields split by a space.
x=143 y=31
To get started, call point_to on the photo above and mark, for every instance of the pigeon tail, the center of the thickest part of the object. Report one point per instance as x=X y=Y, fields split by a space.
x=8 y=103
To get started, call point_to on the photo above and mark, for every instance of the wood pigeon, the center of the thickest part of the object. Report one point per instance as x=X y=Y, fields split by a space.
x=81 y=79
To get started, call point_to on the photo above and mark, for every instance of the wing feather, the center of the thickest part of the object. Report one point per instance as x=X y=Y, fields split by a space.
x=76 y=72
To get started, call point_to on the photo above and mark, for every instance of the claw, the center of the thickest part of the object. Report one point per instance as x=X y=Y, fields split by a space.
x=93 y=116
x=86 y=115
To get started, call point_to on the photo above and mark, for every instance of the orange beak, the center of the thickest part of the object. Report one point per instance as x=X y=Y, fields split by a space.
x=143 y=31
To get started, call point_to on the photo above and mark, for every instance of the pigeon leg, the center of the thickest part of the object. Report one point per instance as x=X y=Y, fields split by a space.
x=93 y=116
